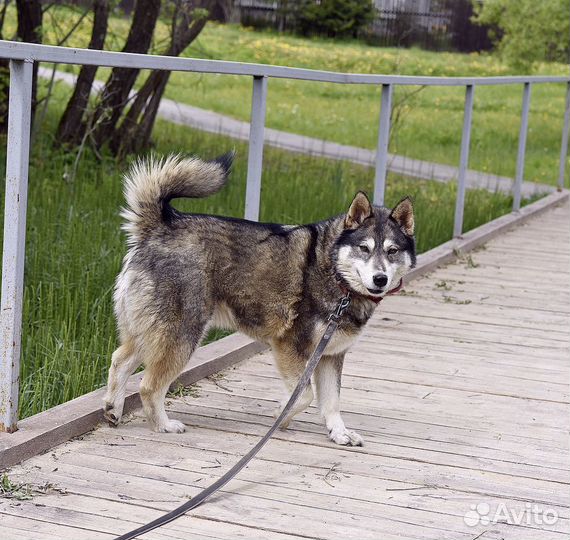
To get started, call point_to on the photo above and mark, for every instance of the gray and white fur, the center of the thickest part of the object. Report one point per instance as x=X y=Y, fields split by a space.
x=184 y=273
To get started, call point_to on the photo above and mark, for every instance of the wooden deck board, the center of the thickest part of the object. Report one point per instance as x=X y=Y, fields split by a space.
x=460 y=389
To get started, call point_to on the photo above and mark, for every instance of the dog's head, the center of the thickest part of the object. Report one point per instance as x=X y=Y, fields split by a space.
x=377 y=247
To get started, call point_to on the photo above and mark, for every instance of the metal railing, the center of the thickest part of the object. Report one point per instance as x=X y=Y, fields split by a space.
x=22 y=56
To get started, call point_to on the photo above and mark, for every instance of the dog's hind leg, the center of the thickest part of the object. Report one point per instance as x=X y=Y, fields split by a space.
x=327 y=380
x=291 y=367
x=124 y=362
x=163 y=363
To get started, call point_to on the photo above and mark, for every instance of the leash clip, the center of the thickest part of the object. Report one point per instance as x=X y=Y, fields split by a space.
x=343 y=303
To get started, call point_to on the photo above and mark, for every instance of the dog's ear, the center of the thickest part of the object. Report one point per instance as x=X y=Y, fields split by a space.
x=360 y=209
x=403 y=215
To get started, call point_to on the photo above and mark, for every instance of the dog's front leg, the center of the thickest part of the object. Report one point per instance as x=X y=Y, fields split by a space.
x=327 y=379
x=291 y=366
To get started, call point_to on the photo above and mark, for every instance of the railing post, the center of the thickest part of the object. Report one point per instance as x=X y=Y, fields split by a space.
x=522 y=148
x=18 y=153
x=255 y=154
x=463 y=161
x=382 y=148
x=564 y=148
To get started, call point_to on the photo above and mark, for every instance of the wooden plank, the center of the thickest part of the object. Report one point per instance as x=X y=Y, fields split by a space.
x=373 y=459
x=408 y=446
x=478 y=311
x=286 y=471
x=497 y=333
x=469 y=343
x=135 y=481
x=476 y=237
x=391 y=431
x=511 y=356
x=389 y=393
x=521 y=283
x=176 y=481
x=467 y=366
x=491 y=298
x=75 y=522
x=467 y=433
x=15 y=524
x=370 y=373
x=377 y=444
x=476 y=316
x=120 y=513
x=384 y=373
x=477 y=410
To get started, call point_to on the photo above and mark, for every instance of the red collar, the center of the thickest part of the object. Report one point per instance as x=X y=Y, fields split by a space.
x=375 y=299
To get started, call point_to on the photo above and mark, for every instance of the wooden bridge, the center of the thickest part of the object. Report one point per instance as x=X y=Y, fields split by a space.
x=459 y=387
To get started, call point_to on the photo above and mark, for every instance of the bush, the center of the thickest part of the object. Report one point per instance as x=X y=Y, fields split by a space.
x=334 y=18
x=529 y=31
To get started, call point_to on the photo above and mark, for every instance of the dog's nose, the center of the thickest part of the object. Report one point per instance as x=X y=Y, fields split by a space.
x=380 y=280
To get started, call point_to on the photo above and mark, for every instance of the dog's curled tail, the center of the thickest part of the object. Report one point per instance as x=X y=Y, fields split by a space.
x=152 y=183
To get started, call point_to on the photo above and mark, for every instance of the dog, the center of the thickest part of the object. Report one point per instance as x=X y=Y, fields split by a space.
x=184 y=273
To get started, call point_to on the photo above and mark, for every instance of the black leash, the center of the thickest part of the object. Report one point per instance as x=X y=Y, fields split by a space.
x=334 y=320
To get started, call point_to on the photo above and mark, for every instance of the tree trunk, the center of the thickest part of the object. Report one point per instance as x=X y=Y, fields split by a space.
x=116 y=92
x=138 y=137
x=71 y=126
x=133 y=135
x=30 y=30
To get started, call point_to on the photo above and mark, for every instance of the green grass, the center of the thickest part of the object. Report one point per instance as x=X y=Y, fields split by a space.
x=431 y=120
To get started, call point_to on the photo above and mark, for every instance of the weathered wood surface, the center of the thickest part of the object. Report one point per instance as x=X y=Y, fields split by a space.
x=460 y=388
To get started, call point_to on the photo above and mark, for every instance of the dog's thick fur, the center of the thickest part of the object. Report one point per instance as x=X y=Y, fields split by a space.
x=276 y=283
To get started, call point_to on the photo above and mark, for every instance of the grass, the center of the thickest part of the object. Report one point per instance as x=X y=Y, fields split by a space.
x=181 y=391
x=9 y=489
x=430 y=120
x=21 y=491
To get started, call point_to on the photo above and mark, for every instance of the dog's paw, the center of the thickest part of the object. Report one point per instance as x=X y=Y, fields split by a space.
x=345 y=437
x=172 y=426
x=111 y=415
x=285 y=424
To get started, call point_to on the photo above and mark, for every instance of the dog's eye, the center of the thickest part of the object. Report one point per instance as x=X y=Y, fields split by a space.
x=364 y=248
x=393 y=251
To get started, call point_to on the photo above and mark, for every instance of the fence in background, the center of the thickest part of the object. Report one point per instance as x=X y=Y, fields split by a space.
x=441 y=25
x=22 y=57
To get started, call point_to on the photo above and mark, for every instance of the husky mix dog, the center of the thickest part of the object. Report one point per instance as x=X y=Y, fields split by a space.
x=184 y=273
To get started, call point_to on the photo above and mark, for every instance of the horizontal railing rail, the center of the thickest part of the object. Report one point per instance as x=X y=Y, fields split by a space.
x=62 y=55
x=22 y=56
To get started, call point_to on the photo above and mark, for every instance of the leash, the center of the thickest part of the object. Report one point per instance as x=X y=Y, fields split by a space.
x=333 y=322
